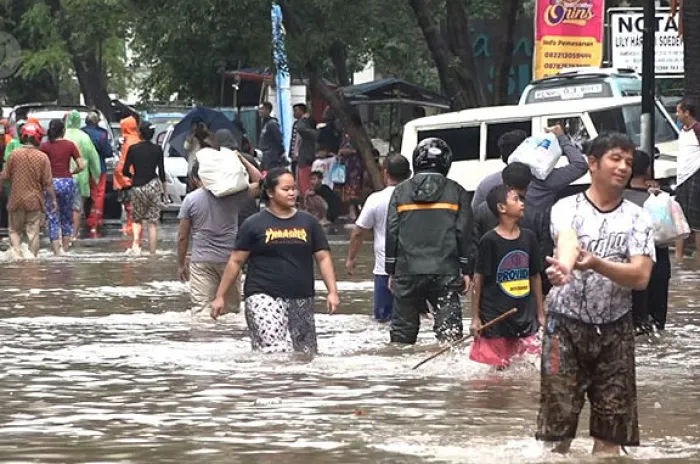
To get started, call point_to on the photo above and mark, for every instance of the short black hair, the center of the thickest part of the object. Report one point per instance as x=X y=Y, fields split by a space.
x=508 y=142
x=690 y=105
x=397 y=167
x=497 y=195
x=267 y=105
x=517 y=176
x=318 y=174
x=146 y=130
x=299 y=105
x=640 y=163
x=609 y=141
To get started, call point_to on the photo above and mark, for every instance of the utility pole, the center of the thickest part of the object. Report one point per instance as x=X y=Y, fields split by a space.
x=648 y=81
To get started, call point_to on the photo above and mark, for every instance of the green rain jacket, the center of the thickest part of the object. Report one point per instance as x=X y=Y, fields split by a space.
x=87 y=152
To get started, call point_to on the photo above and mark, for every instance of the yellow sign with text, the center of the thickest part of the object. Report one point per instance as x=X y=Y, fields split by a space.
x=552 y=54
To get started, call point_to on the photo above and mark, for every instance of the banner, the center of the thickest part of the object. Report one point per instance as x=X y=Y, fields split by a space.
x=568 y=34
x=626 y=29
x=283 y=105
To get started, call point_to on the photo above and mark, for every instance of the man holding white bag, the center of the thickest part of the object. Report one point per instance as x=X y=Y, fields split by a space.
x=542 y=192
x=212 y=222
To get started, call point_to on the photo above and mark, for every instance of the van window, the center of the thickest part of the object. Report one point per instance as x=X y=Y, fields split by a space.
x=496 y=130
x=627 y=120
x=573 y=126
x=465 y=142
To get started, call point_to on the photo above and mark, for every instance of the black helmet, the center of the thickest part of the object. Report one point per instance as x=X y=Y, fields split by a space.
x=432 y=154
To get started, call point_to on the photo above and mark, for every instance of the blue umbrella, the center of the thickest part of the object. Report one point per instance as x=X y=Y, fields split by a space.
x=214 y=120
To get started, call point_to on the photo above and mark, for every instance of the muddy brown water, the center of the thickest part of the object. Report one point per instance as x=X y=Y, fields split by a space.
x=102 y=363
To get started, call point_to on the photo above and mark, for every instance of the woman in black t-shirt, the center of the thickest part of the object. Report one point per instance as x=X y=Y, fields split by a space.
x=148 y=186
x=280 y=245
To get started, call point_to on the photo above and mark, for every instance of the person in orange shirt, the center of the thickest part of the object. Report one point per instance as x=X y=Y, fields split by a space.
x=130 y=133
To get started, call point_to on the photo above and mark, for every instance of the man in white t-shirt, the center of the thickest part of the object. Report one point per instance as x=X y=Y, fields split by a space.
x=605 y=249
x=373 y=217
x=688 y=192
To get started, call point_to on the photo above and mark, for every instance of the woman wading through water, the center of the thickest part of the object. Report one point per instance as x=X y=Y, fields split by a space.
x=280 y=245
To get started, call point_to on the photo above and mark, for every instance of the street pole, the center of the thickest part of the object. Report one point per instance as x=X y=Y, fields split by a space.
x=648 y=84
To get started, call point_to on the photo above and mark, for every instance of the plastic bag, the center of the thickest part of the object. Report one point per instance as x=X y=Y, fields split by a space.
x=668 y=224
x=540 y=152
x=682 y=226
x=338 y=173
x=222 y=172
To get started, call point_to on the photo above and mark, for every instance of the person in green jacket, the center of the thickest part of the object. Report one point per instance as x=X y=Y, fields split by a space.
x=15 y=143
x=92 y=165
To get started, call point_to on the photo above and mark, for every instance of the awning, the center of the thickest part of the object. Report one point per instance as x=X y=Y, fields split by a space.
x=393 y=90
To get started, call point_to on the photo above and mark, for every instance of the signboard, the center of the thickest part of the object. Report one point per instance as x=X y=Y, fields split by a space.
x=626 y=29
x=568 y=34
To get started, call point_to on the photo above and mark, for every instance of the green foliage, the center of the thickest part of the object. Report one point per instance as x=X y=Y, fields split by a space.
x=187 y=44
x=94 y=26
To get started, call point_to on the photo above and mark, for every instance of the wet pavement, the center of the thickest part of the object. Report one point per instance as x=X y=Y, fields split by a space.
x=103 y=363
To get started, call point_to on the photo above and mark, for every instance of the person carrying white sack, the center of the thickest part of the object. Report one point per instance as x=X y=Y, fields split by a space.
x=542 y=193
x=211 y=223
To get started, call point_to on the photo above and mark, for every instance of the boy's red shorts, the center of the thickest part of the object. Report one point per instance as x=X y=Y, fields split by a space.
x=500 y=352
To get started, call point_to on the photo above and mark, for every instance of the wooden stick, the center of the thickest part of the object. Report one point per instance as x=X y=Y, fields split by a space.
x=467 y=337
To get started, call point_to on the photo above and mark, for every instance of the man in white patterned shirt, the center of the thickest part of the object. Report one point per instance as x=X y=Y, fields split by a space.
x=605 y=249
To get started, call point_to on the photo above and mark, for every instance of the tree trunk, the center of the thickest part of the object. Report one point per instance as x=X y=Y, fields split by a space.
x=454 y=59
x=339 y=56
x=358 y=134
x=460 y=43
x=90 y=76
x=295 y=28
x=691 y=41
x=505 y=61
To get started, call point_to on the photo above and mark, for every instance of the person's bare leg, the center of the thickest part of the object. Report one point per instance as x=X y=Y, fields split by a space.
x=562 y=447
x=16 y=243
x=136 y=227
x=152 y=238
x=56 y=246
x=33 y=231
x=602 y=447
x=66 y=243
x=680 y=245
x=76 y=224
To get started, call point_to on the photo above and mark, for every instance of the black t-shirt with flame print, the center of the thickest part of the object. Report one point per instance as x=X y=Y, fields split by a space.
x=281 y=262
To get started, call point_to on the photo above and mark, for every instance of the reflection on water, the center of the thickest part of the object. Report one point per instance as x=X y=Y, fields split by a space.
x=102 y=363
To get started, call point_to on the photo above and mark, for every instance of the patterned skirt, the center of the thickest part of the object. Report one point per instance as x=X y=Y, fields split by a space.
x=281 y=324
x=147 y=201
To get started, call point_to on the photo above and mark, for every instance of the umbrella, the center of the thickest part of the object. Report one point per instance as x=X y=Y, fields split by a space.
x=215 y=120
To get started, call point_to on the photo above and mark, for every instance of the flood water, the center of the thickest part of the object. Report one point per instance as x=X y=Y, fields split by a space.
x=101 y=362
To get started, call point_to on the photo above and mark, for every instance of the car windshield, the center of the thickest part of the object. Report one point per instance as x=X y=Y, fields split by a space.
x=627 y=120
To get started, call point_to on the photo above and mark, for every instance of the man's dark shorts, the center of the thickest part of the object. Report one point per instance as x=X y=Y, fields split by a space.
x=580 y=360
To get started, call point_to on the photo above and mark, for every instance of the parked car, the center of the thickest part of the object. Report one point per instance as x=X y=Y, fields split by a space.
x=175 y=173
x=473 y=134
x=45 y=112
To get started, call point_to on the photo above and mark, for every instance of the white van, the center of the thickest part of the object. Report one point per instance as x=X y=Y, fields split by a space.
x=473 y=134
x=583 y=83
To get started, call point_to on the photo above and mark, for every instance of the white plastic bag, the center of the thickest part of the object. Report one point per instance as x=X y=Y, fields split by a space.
x=668 y=224
x=682 y=226
x=222 y=171
x=541 y=152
